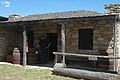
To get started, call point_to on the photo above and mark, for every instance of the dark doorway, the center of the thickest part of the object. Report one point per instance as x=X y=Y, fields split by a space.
x=30 y=36
x=52 y=37
x=31 y=56
x=85 y=39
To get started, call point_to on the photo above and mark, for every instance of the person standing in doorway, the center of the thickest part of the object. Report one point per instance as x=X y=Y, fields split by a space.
x=43 y=55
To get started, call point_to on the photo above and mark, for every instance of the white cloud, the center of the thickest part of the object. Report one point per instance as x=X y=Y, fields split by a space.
x=5 y=3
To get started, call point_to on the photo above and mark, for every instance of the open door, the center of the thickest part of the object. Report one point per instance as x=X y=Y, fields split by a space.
x=52 y=37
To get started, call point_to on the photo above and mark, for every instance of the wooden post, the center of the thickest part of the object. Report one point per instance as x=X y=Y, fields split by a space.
x=63 y=42
x=114 y=49
x=56 y=58
x=24 y=46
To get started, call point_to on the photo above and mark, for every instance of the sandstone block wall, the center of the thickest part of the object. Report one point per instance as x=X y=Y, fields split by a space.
x=102 y=26
x=10 y=37
x=102 y=34
x=103 y=29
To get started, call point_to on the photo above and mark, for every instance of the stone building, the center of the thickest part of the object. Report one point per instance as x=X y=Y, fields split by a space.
x=86 y=32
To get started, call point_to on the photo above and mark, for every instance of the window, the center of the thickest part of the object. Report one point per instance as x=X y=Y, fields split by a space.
x=85 y=39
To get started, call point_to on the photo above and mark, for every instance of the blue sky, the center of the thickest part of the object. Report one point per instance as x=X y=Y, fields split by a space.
x=29 y=7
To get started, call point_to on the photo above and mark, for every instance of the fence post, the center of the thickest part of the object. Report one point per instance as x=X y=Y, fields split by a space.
x=56 y=58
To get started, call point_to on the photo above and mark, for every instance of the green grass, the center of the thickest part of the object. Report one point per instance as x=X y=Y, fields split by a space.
x=11 y=72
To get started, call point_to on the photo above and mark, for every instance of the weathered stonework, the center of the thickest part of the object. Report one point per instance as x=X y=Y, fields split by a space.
x=102 y=34
x=117 y=45
x=41 y=29
x=10 y=37
x=114 y=9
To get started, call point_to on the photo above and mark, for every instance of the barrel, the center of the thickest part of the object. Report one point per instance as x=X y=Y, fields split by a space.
x=31 y=57
x=16 y=56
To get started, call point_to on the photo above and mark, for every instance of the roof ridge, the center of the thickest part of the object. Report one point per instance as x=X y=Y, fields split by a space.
x=63 y=12
x=56 y=15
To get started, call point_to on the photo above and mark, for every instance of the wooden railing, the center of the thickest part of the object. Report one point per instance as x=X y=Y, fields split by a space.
x=90 y=57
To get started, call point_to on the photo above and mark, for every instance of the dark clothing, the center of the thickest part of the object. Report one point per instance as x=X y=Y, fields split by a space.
x=43 y=54
x=43 y=44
